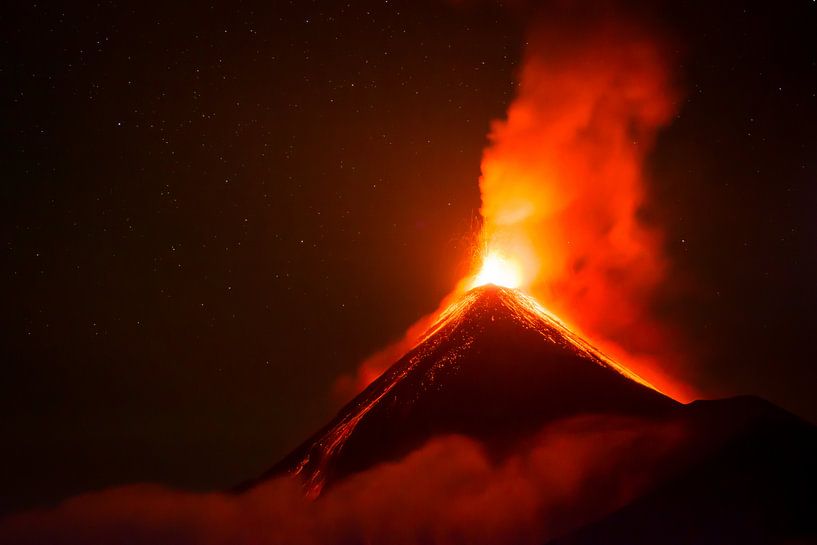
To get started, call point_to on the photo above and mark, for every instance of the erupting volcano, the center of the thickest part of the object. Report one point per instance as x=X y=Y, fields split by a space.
x=582 y=427
x=564 y=221
x=305 y=169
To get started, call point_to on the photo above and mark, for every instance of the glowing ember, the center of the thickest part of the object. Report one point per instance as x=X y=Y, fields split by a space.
x=498 y=270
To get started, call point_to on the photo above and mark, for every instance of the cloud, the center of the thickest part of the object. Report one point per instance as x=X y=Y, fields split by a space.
x=450 y=491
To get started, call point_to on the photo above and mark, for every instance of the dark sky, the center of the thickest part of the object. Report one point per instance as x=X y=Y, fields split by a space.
x=210 y=213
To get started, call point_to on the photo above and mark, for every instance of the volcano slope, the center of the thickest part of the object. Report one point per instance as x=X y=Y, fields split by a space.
x=495 y=367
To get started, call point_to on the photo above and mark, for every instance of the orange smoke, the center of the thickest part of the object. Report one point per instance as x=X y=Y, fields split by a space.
x=563 y=183
x=563 y=186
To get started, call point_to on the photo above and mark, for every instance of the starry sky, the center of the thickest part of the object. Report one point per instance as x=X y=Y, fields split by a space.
x=210 y=213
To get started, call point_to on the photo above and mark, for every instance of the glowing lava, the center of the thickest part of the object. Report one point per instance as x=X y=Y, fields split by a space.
x=498 y=270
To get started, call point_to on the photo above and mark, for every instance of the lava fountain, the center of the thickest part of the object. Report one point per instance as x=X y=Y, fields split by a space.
x=499 y=270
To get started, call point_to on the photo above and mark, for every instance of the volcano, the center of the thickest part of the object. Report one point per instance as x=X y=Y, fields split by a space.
x=495 y=367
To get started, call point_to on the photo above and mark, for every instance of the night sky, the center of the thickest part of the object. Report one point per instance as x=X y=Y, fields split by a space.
x=210 y=213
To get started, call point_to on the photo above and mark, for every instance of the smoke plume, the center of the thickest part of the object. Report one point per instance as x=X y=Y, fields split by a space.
x=563 y=184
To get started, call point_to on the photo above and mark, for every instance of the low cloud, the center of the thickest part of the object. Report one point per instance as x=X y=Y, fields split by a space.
x=450 y=491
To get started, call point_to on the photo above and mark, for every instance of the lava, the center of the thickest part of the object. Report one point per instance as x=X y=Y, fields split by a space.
x=498 y=270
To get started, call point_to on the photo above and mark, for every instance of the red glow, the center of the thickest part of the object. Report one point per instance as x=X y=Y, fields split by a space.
x=499 y=270
x=563 y=181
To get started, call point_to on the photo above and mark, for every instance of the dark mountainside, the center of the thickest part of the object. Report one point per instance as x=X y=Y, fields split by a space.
x=747 y=475
x=497 y=367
